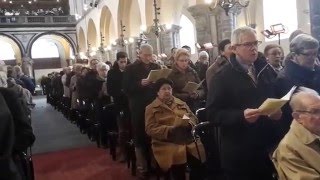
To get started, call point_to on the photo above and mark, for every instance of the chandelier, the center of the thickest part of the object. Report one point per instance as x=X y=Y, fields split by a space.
x=228 y=4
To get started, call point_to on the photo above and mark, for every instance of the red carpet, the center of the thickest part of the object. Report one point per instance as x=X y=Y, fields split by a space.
x=89 y=163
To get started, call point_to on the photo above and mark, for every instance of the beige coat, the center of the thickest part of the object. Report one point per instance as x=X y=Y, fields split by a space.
x=160 y=119
x=298 y=155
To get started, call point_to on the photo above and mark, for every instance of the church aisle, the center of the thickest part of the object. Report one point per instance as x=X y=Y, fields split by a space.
x=62 y=152
x=53 y=131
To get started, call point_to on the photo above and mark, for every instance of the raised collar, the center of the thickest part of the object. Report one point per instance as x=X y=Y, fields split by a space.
x=292 y=69
x=304 y=135
x=158 y=103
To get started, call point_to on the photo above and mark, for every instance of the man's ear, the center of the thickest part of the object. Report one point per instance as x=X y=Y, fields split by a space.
x=296 y=116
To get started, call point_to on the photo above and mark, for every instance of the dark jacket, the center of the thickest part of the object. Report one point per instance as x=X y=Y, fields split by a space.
x=139 y=97
x=16 y=133
x=180 y=80
x=294 y=74
x=244 y=146
x=114 y=87
x=201 y=69
x=28 y=83
x=133 y=75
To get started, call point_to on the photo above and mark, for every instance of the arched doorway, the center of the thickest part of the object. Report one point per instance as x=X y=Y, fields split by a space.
x=11 y=52
x=92 y=34
x=50 y=52
x=107 y=26
x=82 y=40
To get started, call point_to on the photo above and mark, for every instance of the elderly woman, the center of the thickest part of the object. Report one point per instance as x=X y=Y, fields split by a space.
x=274 y=55
x=299 y=70
x=169 y=122
x=202 y=64
x=181 y=74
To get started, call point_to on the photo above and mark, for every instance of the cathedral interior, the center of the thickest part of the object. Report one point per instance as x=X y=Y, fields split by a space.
x=47 y=39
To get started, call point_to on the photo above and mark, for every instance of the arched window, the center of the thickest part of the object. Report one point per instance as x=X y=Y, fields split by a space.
x=284 y=11
x=44 y=48
x=187 y=33
x=7 y=52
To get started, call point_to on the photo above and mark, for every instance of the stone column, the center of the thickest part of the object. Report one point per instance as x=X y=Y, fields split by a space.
x=225 y=24
x=315 y=18
x=201 y=14
x=168 y=38
x=27 y=66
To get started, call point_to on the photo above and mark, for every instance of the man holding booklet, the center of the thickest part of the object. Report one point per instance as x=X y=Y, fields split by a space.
x=139 y=90
x=234 y=97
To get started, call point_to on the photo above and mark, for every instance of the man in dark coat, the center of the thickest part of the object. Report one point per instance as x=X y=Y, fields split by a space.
x=301 y=70
x=140 y=93
x=16 y=133
x=234 y=95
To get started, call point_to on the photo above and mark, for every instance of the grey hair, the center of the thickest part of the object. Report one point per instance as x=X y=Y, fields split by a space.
x=146 y=46
x=100 y=65
x=237 y=33
x=303 y=42
x=17 y=70
x=297 y=98
x=203 y=53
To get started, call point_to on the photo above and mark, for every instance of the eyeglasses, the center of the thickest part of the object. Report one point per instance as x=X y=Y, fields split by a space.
x=250 y=44
x=309 y=55
x=315 y=112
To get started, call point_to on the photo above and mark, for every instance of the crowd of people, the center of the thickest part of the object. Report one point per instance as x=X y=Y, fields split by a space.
x=28 y=12
x=160 y=115
x=16 y=134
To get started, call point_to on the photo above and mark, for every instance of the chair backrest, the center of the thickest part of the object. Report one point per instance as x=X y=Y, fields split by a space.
x=209 y=135
x=201 y=114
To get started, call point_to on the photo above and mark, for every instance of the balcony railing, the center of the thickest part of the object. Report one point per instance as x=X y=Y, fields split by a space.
x=37 y=20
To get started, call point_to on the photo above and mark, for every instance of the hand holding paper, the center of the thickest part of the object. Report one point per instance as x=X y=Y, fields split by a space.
x=272 y=105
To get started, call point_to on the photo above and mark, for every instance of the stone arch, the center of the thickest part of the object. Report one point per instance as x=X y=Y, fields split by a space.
x=64 y=36
x=17 y=46
x=135 y=19
x=129 y=13
x=92 y=33
x=150 y=12
x=82 y=40
x=107 y=25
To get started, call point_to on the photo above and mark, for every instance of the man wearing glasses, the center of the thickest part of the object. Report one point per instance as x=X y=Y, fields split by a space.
x=299 y=70
x=234 y=95
x=298 y=154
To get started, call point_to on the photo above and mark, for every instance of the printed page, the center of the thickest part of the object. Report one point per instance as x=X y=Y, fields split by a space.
x=272 y=105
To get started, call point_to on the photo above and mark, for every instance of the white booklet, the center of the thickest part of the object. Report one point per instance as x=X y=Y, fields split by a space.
x=154 y=75
x=272 y=105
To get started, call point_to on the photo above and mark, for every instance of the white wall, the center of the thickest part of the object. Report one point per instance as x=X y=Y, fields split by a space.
x=303 y=22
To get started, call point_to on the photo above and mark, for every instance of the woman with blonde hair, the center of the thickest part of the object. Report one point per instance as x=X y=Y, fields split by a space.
x=181 y=74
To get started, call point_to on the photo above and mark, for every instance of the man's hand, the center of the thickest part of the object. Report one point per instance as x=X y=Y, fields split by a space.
x=145 y=82
x=251 y=115
x=276 y=116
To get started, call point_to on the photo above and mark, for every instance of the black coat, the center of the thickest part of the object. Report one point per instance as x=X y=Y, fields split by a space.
x=244 y=146
x=114 y=87
x=16 y=133
x=294 y=74
x=139 y=97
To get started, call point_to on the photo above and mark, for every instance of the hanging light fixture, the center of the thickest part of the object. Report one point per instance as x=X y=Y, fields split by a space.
x=228 y=4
